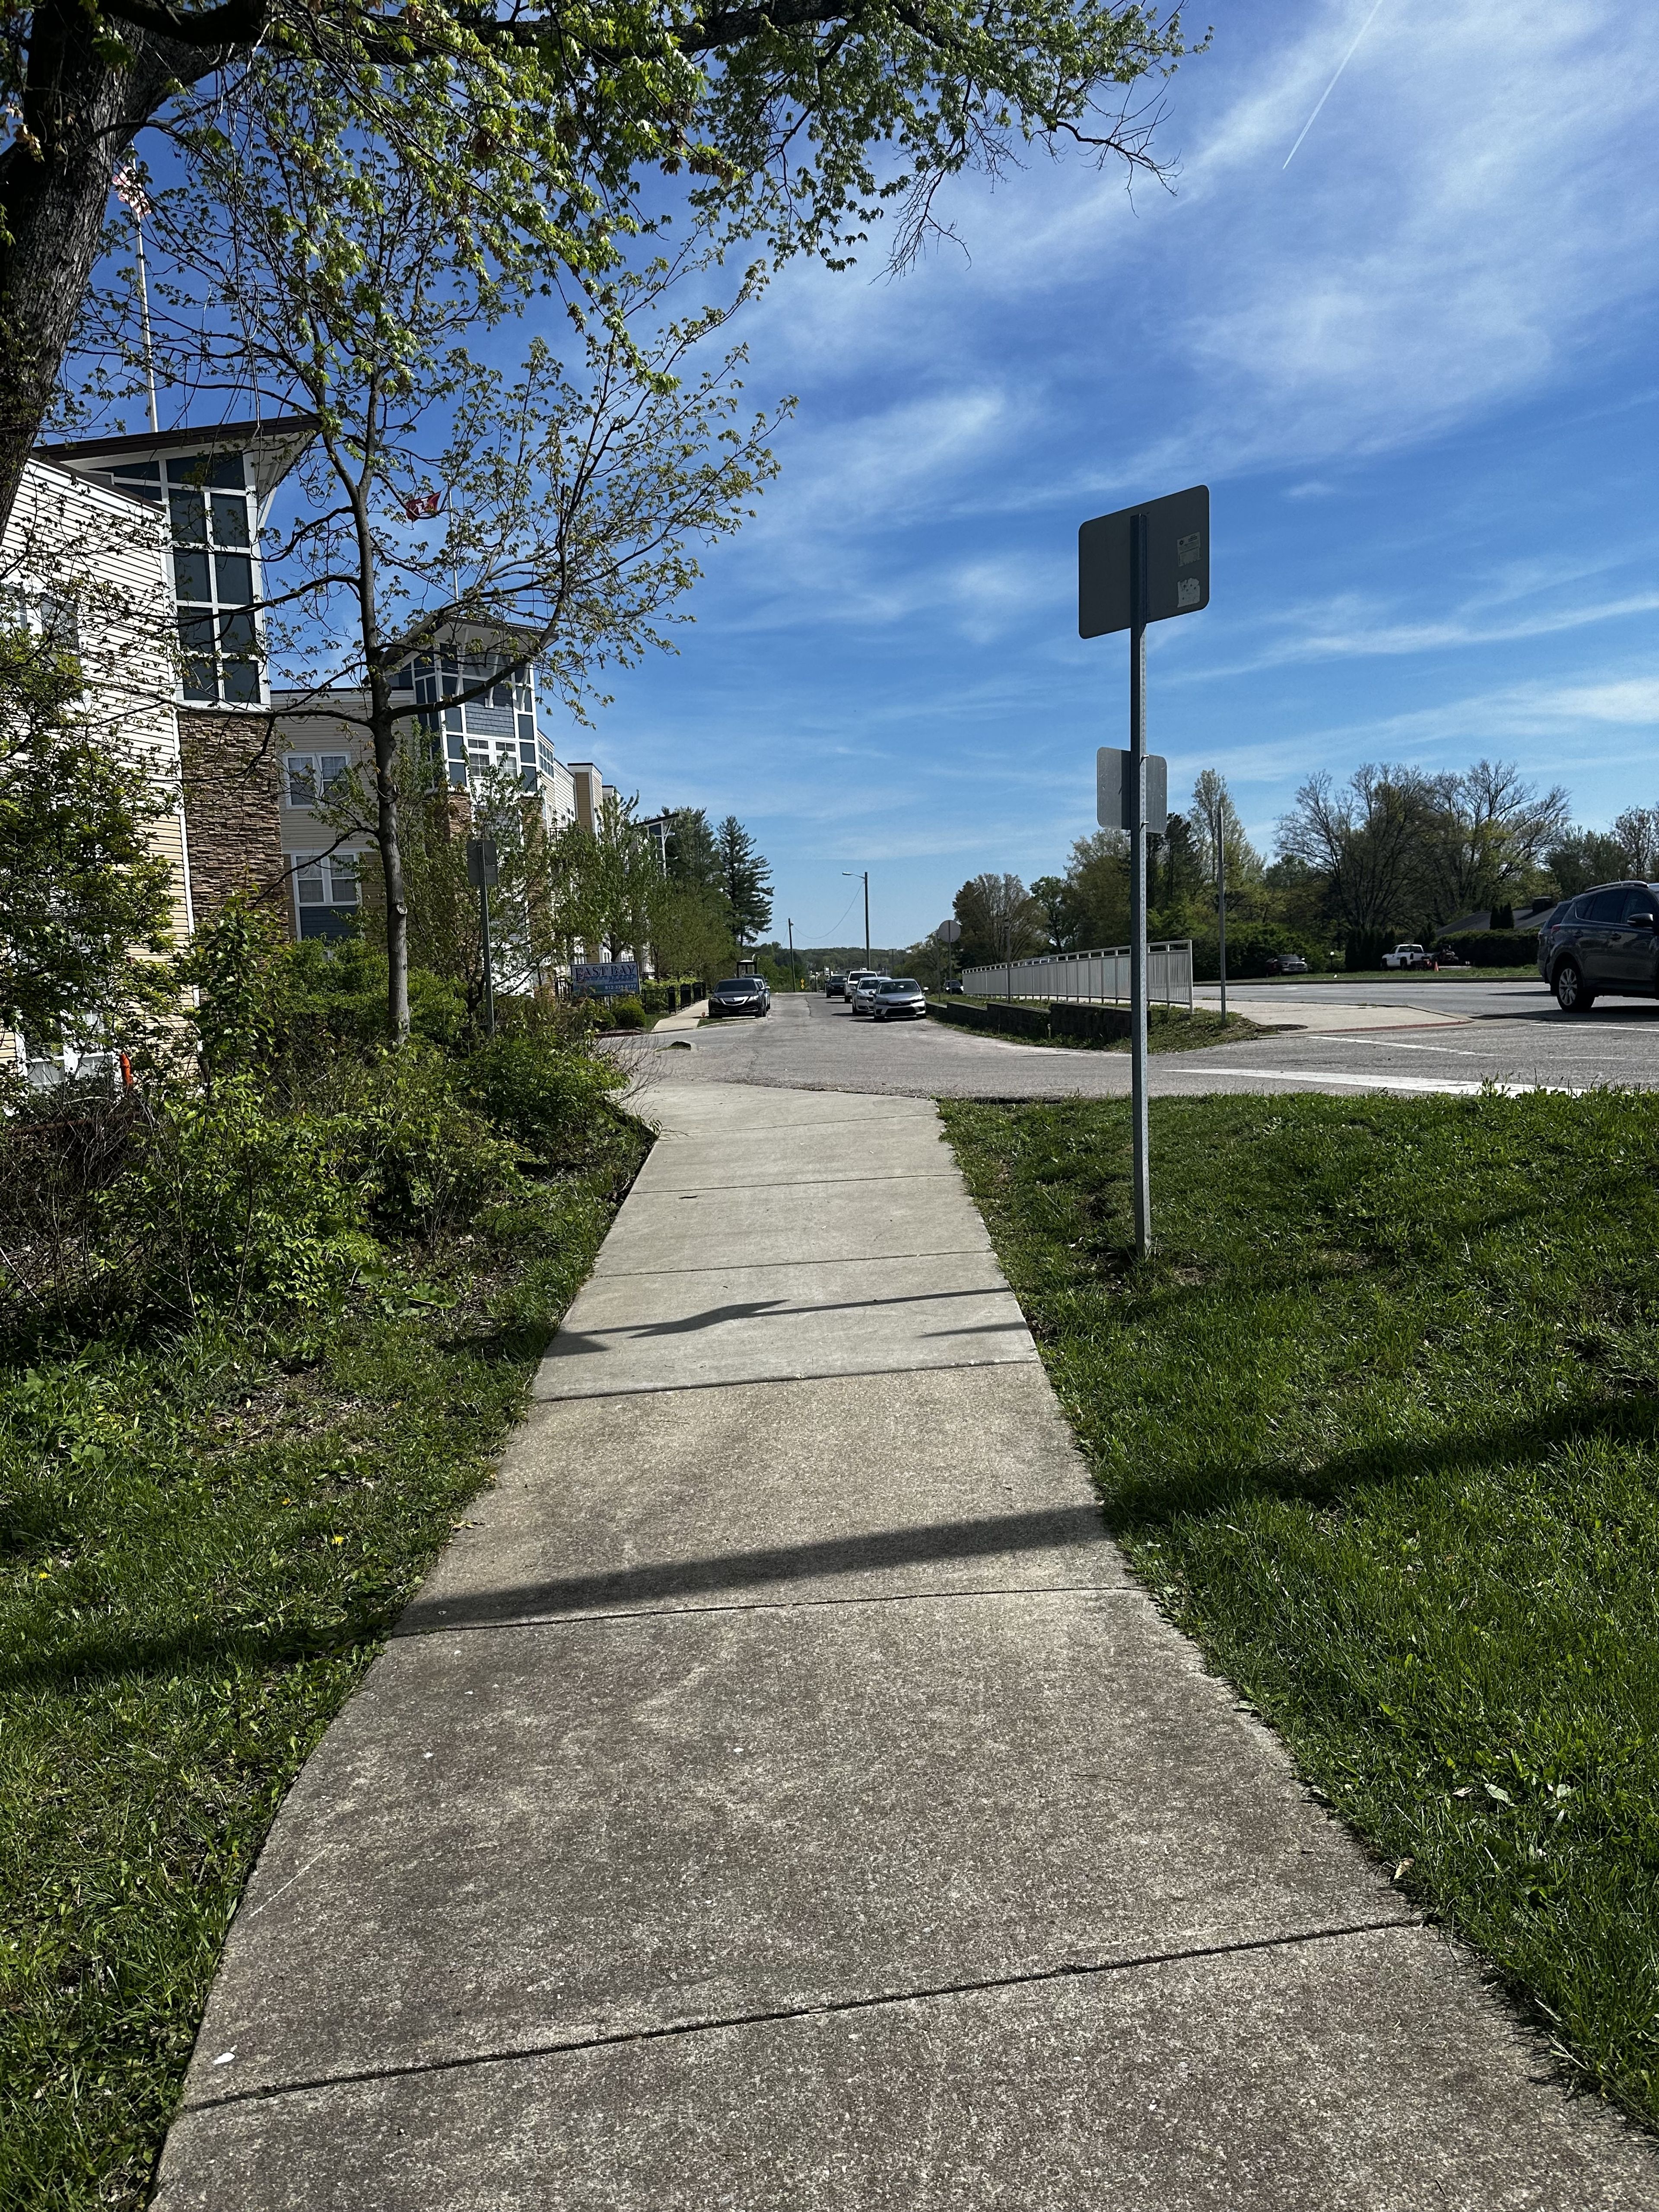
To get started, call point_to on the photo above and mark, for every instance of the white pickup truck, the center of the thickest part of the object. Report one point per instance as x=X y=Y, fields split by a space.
x=1407 y=956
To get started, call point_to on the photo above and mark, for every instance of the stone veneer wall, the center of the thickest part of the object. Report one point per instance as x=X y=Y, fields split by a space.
x=232 y=768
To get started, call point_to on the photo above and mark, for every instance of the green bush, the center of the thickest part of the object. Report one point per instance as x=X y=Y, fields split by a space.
x=547 y=1097
x=627 y=1014
x=227 y=1204
x=1250 y=946
x=337 y=998
x=424 y=1158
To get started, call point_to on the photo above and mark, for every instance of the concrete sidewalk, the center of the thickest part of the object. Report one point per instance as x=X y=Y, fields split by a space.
x=782 y=1797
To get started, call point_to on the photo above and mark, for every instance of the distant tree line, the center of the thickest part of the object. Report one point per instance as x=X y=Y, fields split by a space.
x=1392 y=853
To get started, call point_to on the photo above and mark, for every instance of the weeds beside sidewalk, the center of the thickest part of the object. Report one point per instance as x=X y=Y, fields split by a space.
x=263 y=1337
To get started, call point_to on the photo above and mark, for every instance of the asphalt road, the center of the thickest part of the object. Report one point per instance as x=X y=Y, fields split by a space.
x=1467 y=1034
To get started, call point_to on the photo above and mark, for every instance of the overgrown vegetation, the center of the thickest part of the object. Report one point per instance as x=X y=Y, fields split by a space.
x=1379 y=1422
x=261 y=1325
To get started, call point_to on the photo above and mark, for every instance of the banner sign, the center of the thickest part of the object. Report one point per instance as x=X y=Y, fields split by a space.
x=605 y=978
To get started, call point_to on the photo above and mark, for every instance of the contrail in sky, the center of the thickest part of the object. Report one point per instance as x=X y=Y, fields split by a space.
x=1331 y=86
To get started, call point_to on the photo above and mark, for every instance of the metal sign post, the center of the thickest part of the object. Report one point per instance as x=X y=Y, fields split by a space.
x=483 y=869
x=1141 y=565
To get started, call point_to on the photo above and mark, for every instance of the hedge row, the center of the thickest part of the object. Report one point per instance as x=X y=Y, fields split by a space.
x=1497 y=948
x=1095 y=1025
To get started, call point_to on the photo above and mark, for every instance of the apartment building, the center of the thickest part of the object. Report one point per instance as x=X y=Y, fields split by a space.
x=260 y=769
x=85 y=564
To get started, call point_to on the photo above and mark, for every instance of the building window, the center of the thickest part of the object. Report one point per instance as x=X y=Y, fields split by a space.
x=212 y=578
x=313 y=779
x=326 y=896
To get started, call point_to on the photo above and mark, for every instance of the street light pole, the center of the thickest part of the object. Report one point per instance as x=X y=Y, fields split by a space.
x=866 y=874
x=793 y=977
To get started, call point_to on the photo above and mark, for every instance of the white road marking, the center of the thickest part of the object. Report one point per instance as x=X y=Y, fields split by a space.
x=1447 y=1085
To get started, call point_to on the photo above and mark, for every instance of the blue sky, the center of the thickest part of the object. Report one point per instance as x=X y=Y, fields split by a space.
x=1417 y=368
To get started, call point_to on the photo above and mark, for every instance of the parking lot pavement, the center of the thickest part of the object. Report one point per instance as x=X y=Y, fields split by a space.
x=1507 y=1033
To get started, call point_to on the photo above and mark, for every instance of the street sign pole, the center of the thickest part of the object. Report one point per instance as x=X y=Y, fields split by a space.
x=1143 y=564
x=1143 y=1188
x=488 y=965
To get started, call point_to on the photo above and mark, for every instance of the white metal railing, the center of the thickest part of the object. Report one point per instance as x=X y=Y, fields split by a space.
x=1090 y=978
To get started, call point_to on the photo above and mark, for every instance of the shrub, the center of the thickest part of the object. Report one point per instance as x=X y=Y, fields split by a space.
x=547 y=1097
x=1250 y=946
x=339 y=1000
x=627 y=1014
x=424 y=1158
x=227 y=1203
x=1497 y=948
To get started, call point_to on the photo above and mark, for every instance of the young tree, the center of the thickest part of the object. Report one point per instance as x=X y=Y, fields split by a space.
x=778 y=117
x=1637 y=830
x=746 y=882
x=1056 y=902
x=83 y=893
x=1367 y=842
x=1000 y=921
x=457 y=521
x=1217 y=826
x=1486 y=835
x=1098 y=870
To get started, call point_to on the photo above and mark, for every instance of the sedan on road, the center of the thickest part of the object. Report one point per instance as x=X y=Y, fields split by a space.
x=899 y=998
x=1606 y=939
x=739 y=995
x=863 y=992
x=1287 y=963
x=834 y=987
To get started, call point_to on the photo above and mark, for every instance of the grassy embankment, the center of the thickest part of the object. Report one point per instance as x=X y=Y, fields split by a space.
x=207 y=1539
x=1380 y=1422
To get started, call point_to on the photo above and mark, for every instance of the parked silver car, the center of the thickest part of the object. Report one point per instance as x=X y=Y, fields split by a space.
x=898 y=998
x=863 y=992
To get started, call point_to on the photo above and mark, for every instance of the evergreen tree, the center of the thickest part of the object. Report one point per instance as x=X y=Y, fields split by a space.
x=693 y=855
x=746 y=882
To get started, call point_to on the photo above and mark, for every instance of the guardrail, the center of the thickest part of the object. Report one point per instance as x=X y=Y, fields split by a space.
x=1090 y=978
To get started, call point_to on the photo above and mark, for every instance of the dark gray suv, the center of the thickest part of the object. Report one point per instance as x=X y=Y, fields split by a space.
x=1604 y=940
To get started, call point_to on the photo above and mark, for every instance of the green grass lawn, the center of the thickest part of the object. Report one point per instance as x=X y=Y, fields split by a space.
x=204 y=1544
x=1380 y=1422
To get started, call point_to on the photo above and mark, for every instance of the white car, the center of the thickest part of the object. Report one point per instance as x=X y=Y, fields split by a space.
x=898 y=998
x=1407 y=956
x=863 y=992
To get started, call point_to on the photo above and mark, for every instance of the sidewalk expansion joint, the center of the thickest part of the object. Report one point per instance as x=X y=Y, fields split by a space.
x=767 y=1382
x=754 y=1267
x=800 y=1182
x=765 y=1605
x=880 y=2001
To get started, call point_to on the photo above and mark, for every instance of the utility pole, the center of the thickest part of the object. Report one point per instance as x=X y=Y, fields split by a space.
x=1221 y=914
x=794 y=975
x=866 y=874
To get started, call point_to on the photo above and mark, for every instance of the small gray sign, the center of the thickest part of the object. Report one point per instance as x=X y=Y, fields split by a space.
x=1115 y=795
x=1178 y=562
x=948 y=932
x=483 y=869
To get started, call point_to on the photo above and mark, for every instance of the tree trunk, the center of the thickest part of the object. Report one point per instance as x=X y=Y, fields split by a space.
x=384 y=730
x=80 y=115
